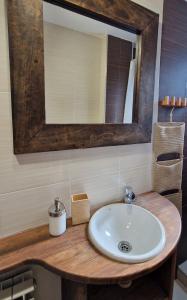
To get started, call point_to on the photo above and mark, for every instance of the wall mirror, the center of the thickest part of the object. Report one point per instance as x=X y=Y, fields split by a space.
x=90 y=69
x=82 y=73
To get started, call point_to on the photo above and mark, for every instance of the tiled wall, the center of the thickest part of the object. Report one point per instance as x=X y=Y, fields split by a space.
x=29 y=183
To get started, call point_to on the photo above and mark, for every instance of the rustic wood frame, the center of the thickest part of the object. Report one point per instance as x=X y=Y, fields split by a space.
x=31 y=133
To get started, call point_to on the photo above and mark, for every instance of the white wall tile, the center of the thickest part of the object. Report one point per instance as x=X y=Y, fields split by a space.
x=136 y=167
x=4 y=53
x=94 y=165
x=6 y=137
x=135 y=156
x=29 y=208
x=15 y=176
x=139 y=178
x=99 y=188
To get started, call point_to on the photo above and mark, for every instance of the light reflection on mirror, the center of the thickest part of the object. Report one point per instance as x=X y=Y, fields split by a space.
x=90 y=69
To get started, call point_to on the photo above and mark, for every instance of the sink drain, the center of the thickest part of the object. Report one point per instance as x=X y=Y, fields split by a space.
x=124 y=246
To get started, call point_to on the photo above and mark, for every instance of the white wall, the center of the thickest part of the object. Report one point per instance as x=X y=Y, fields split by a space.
x=28 y=183
x=74 y=76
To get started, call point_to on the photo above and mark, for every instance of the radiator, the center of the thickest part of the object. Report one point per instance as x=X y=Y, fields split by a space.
x=19 y=287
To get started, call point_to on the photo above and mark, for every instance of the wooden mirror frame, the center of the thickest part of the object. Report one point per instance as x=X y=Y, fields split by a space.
x=31 y=133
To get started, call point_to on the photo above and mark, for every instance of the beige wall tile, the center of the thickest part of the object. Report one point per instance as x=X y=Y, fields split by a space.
x=100 y=189
x=29 y=208
x=4 y=53
x=139 y=178
x=15 y=176
x=135 y=157
x=96 y=165
x=6 y=137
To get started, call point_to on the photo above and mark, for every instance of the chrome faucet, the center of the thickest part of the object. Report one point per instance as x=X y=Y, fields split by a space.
x=130 y=196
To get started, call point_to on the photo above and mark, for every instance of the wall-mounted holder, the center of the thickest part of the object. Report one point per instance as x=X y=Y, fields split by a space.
x=80 y=209
x=167 y=173
x=173 y=103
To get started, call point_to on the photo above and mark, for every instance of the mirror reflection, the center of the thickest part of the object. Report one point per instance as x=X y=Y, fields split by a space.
x=90 y=69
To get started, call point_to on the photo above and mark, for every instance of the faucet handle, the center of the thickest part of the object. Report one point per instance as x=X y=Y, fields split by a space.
x=129 y=194
x=128 y=189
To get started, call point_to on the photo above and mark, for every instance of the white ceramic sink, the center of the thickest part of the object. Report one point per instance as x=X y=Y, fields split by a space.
x=127 y=233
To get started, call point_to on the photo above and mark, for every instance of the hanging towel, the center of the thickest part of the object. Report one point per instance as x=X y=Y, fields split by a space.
x=128 y=110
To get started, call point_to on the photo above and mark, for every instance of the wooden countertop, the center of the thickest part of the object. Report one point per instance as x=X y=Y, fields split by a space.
x=72 y=256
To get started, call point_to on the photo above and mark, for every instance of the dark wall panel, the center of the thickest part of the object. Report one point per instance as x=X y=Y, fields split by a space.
x=119 y=56
x=173 y=82
x=174 y=49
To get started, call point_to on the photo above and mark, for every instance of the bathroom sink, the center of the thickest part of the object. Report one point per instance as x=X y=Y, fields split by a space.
x=126 y=233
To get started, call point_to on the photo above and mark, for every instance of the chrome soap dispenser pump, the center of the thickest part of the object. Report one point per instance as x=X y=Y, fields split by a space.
x=57 y=218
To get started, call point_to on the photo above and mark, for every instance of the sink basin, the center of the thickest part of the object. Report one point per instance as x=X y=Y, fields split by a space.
x=126 y=233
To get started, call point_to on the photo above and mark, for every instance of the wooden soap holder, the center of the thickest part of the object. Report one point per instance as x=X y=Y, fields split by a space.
x=80 y=209
x=173 y=102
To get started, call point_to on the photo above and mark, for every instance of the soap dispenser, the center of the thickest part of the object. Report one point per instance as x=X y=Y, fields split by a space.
x=57 y=218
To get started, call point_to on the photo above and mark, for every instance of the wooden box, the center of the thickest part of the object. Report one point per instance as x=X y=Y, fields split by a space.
x=80 y=209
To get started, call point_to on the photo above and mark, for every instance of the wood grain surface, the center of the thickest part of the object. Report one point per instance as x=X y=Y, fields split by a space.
x=73 y=257
x=126 y=13
x=31 y=133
